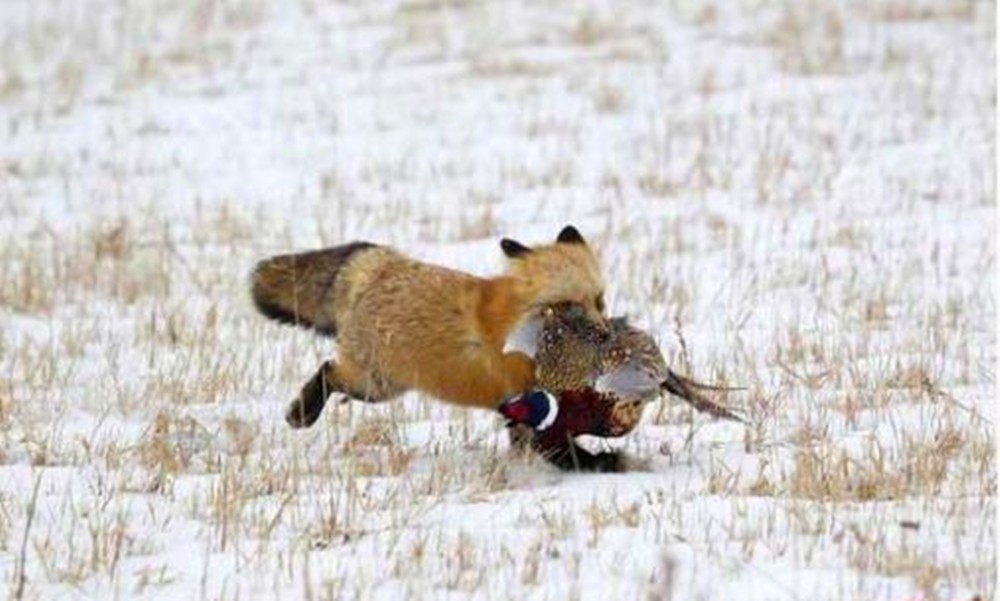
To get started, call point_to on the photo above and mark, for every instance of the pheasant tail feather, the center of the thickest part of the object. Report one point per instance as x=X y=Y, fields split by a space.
x=690 y=391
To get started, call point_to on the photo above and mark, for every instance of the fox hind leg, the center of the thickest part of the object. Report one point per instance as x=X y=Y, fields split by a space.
x=332 y=377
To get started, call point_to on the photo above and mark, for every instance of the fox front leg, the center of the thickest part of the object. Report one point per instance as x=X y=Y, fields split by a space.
x=570 y=457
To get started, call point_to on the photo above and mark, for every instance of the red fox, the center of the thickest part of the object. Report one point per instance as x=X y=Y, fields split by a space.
x=402 y=324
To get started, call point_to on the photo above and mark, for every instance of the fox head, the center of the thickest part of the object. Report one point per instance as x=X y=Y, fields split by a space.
x=566 y=271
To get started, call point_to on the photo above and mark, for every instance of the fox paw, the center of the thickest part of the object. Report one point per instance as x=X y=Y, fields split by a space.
x=608 y=462
x=571 y=458
x=302 y=415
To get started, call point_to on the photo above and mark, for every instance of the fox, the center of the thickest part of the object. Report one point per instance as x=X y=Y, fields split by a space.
x=402 y=324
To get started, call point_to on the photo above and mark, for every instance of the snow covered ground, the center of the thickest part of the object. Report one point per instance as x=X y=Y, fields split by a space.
x=796 y=197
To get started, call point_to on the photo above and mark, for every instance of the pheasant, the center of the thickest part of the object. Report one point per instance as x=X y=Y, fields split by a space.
x=604 y=376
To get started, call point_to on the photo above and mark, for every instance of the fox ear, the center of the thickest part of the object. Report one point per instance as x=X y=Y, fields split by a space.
x=513 y=248
x=570 y=235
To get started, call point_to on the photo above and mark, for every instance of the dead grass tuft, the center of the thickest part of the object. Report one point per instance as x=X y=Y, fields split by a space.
x=809 y=38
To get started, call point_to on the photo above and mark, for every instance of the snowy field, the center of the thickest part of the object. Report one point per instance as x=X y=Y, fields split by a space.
x=794 y=197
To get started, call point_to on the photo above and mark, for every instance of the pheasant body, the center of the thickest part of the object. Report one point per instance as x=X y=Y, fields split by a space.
x=621 y=360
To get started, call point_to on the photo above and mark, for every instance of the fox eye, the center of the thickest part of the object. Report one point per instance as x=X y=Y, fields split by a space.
x=599 y=302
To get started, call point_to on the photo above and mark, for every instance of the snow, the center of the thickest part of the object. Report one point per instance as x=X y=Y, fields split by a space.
x=794 y=197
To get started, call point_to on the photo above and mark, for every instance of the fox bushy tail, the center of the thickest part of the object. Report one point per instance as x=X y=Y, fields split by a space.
x=299 y=288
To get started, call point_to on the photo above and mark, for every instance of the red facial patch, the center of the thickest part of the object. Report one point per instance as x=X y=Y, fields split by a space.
x=517 y=411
